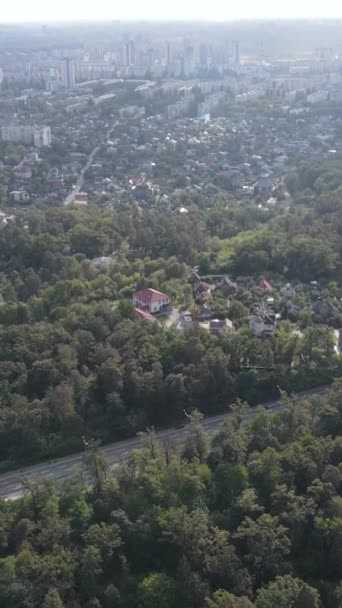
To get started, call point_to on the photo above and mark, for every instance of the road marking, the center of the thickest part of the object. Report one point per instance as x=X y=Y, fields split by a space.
x=63 y=469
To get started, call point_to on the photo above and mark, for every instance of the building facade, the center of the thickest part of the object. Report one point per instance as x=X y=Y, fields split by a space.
x=27 y=134
x=151 y=300
x=68 y=73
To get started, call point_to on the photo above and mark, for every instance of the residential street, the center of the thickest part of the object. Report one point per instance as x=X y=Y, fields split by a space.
x=79 y=184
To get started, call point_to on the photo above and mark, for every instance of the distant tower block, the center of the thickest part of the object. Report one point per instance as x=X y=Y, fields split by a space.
x=68 y=73
x=130 y=53
x=169 y=53
x=236 y=52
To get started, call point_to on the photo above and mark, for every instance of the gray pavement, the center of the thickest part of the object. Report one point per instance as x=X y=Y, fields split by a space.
x=173 y=318
x=80 y=181
x=64 y=468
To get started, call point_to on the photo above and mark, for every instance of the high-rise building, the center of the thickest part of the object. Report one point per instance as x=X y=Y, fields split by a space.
x=41 y=136
x=68 y=73
x=27 y=134
x=17 y=134
x=236 y=52
x=169 y=53
x=324 y=54
x=188 y=65
x=129 y=54
x=203 y=56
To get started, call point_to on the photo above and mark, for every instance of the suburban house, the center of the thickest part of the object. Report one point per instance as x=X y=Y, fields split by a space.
x=227 y=287
x=151 y=300
x=324 y=309
x=201 y=289
x=217 y=327
x=315 y=288
x=205 y=312
x=263 y=325
x=143 y=314
x=19 y=196
x=265 y=285
x=288 y=291
x=290 y=307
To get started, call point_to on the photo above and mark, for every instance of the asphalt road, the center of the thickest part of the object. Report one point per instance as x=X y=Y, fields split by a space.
x=80 y=181
x=64 y=468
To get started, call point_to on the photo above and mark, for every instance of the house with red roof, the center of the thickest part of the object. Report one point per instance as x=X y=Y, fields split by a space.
x=265 y=285
x=146 y=316
x=151 y=300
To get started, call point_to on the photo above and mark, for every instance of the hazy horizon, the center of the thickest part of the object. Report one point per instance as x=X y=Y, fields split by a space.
x=38 y=11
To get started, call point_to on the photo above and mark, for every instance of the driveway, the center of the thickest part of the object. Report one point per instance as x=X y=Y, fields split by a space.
x=173 y=318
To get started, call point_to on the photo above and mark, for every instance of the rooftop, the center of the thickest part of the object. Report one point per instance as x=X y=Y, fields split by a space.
x=149 y=295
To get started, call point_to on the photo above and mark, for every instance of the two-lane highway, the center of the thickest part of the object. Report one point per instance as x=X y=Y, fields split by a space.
x=64 y=468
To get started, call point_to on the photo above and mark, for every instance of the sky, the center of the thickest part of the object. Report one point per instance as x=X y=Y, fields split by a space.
x=213 y=10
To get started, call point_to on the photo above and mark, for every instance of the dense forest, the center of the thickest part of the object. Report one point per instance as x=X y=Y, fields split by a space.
x=250 y=518
x=75 y=360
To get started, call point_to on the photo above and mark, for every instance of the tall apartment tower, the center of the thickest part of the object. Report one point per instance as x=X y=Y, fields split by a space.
x=236 y=52
x=41 y=136
x=169 y=53
x=130 y=53
x=68 y=73
x=203 y=56
x=27 y=134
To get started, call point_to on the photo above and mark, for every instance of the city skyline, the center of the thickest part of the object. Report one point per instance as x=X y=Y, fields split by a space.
x=152 y=10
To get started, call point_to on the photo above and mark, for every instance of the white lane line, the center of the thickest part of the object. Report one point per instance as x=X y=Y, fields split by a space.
x=114 y=451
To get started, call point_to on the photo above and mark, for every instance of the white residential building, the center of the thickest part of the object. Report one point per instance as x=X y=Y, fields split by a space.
x=27 y=134
x=264 y=325
x=218 y=327
x=151 y=300
x=19 y=196
x=317 y=97
x=41 y=136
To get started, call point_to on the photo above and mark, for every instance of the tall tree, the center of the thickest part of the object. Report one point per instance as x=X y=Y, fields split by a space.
x=52 y=600
x=265 y=545
x=157 y=590
x=195 y=443
x=287 y=592
x=224 y=599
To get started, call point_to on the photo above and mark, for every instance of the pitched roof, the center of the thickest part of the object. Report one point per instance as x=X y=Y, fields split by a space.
x=145 y=315
x=265 y=319
x=205 y=308
x=220 y=324
x=264 y=284
x=227 y=281
x=322 y=306
x=150 y=295
x=269 y=320
x=227 y=286
x=202 y=287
